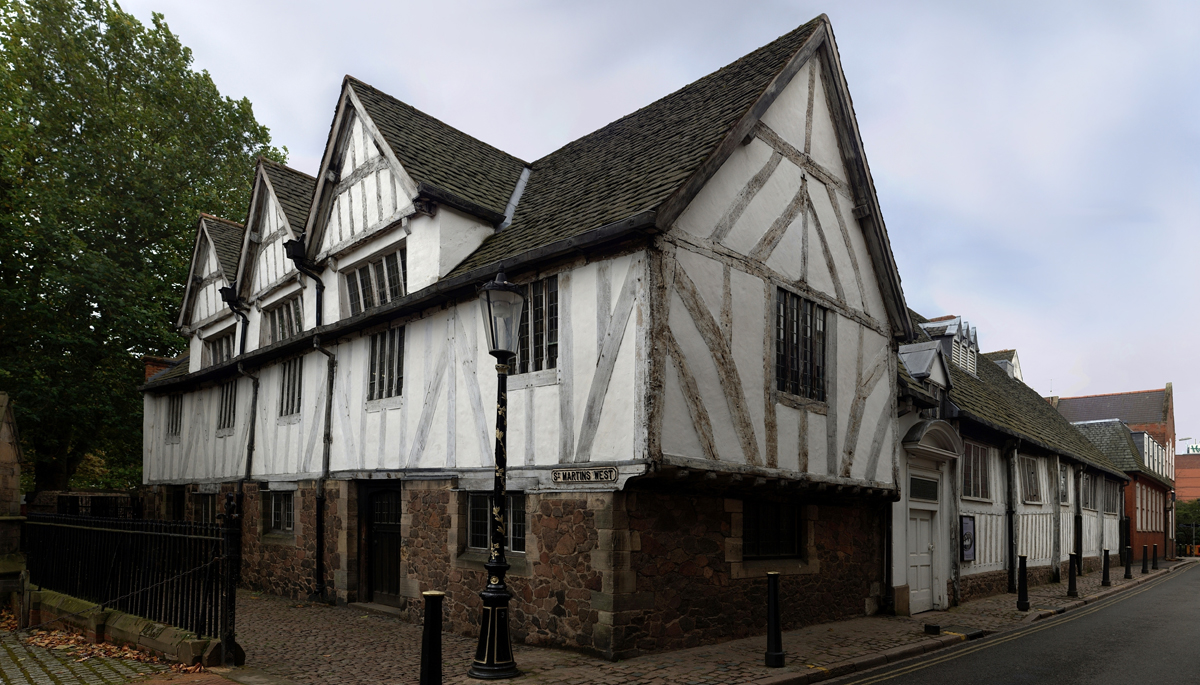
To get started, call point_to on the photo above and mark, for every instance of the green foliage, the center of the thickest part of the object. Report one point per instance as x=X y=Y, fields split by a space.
x=110 y=145
x=1187 y=515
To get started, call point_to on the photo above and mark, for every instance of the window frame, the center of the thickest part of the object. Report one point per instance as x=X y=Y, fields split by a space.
x=976 y=471
x=515 y=522
x=363 y=288
x=1064 y=484
x=279 y=517
x=291 y=386
x=1030 y=475
x=174 y=422
x=227 y=409
x=218 y=349
x=1112 y=496
x=282 y=320
x=538 y=329
x=385 y=364
x=801 y=344
x=1087 y=491
x=788 y=542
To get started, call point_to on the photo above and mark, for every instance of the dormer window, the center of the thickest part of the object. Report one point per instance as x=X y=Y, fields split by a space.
x=377 y=282
x=282 y=321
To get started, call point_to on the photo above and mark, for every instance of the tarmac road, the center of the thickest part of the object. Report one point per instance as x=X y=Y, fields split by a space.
x=1150 y=634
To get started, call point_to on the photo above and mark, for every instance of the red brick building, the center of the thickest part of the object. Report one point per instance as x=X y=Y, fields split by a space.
x=1187 y=477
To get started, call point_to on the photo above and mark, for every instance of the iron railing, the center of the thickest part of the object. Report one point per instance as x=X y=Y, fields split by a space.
x=181 y=574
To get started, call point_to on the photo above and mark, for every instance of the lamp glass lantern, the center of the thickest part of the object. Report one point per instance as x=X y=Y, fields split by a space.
x=501 y=303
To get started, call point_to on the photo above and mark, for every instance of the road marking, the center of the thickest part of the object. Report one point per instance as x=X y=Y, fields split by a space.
x=987 y=644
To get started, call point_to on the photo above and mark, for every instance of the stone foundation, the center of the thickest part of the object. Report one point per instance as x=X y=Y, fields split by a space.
x=980 y=585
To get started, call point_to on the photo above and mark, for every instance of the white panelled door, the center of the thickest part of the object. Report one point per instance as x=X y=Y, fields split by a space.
x=920 y=560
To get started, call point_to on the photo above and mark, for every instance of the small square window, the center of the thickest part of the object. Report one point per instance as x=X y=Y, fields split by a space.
x=280 y=512
x=479 y=522
x=377 y=282
x=770 y=530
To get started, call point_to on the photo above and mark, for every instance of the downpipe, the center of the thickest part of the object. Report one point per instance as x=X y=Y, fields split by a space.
x=320 y=590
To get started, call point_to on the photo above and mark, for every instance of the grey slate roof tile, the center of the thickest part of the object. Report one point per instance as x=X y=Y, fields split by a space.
x=1146 y=406
x=227 y=239
x=1011 y=405
x=294 y=190
x=637 y=162
x=178 y=368
x=1115 y=440
x=436 y=153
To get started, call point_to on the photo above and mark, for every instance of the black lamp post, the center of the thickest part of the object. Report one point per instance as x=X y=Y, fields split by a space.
x=501 y=303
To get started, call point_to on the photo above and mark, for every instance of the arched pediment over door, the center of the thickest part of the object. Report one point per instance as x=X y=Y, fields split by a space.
x=933 y=439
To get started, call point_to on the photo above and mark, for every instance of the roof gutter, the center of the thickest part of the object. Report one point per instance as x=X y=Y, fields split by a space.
x=438 y=292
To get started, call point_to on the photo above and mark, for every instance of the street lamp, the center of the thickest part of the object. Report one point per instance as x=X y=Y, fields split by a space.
x=501 y=303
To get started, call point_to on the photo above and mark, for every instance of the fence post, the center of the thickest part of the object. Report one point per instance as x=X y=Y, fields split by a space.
x=1128 y=562
x=1145 y=559
x=1104 y=581
x=1022 y=584
x=1155 y=559
x=1072 y=590
x=775 y=655
x=233 y=572
x=431 y=639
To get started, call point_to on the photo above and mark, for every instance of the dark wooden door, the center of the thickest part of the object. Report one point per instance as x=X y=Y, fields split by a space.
x=383 y=534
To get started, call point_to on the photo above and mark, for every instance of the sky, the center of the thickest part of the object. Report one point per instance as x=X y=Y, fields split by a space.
x=1036 y=162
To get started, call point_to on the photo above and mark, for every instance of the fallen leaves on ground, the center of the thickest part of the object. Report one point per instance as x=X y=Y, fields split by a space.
x=76 y=646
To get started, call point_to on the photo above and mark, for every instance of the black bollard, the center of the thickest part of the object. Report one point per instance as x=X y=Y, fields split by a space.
x=1104 y=581
x=431 y=639
x=1155 y=559
x=774 y=629
x=1072 y=591
x=1128 y=562
x=1145 y=559
x=1022 y=585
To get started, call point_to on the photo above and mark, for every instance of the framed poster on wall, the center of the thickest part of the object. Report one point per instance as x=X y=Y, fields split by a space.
x=967 y=548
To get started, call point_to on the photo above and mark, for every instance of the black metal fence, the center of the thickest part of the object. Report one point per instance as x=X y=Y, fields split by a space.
x=181 y=574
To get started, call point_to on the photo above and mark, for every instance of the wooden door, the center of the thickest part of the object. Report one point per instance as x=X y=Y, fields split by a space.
x=920 y=560
x=383 y=536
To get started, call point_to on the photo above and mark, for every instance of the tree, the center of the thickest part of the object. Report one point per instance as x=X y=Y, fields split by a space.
x=110 y=145
x=1187 y=522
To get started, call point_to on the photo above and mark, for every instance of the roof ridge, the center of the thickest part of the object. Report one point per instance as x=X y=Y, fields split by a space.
x=999 y=351
x=1112 y=394
x=360 y=82
x=264 y=160
x=205 y=215
x=945 y=317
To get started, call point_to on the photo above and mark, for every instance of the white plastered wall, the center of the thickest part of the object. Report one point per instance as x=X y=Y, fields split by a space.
x=778 y=213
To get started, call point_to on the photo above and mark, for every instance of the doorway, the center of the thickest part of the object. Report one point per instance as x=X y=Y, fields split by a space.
x=385 y=544
x=920 y=560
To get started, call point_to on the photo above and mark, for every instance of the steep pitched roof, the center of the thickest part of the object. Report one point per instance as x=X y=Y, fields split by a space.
x=1000 y=355
x=635 y=163
x=1115 y=440
x=226 y=238
x=438 y=154
x=1007 y=404
x=293 y=189
x=1143 y=406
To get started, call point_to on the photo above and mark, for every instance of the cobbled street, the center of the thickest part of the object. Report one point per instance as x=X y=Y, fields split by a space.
x=301 y=642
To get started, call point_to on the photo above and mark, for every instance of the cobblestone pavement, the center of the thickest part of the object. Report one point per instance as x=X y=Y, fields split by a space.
x=306 y=643
x=21 y=664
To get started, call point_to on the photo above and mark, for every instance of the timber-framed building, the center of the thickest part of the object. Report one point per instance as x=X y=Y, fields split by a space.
x=708 y=386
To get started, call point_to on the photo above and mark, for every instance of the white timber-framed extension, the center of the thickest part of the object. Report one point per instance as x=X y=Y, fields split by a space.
x=708 y=362
x=1017 y=479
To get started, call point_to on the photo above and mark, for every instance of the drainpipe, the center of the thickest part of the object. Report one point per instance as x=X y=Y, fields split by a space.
x=294 y=249
x=229 y=295
x=319 y=566
x=253 y=425
x=1011 y=513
